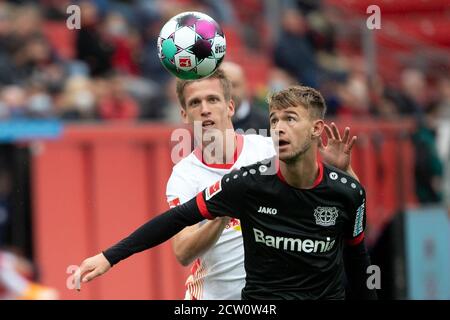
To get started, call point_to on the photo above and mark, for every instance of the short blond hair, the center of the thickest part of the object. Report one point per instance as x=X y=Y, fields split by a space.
x=295 y=96
x=218 y=74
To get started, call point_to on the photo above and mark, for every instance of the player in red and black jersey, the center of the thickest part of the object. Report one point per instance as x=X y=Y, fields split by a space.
x=301 y=220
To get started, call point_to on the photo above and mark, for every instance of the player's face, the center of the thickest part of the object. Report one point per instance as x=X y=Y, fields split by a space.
x=294 y=132
x=205 y=103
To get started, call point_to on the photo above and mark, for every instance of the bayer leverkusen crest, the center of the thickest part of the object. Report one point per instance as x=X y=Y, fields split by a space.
x=326 y=216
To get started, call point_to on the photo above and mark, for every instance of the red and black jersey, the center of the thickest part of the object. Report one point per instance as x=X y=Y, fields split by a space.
x=293 y=238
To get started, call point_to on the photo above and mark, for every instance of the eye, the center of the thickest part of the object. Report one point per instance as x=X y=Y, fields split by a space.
x=273 y=121
x=213 y=99
x=194 y=103
x=291 y=119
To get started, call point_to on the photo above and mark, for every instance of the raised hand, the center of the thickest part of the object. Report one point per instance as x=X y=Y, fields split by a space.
x=338 y=150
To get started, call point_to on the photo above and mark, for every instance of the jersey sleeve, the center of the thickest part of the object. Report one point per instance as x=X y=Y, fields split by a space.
x=223 y=198
x=354 y=232
x=157 y=230
x=179 y=190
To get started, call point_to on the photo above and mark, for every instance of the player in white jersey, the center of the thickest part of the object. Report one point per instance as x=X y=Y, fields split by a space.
x=216 y=246
x=219 y=272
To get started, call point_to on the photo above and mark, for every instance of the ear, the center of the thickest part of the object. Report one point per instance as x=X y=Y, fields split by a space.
x=317 y=128
x=231 y=108
x=184 y=115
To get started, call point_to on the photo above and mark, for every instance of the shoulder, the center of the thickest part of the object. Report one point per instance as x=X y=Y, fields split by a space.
x=253 y=174
x=257 y=138
x=259 y=143
x=182 y=172
x=344 y=184
x=184 y=166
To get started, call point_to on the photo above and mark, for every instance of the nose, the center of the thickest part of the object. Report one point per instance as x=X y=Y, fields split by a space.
x=278 y=129
x=205 y=110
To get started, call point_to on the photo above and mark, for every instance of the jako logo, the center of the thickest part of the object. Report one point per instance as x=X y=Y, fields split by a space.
x=267 y=210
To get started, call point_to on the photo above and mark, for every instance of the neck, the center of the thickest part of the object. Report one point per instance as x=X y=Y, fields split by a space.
x=303 y=172
x=221 y=150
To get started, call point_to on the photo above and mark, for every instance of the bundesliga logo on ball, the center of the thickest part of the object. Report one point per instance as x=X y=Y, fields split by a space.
x=191 y=45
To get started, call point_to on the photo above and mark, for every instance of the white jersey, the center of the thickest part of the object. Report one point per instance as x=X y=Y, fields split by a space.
x=219 y=273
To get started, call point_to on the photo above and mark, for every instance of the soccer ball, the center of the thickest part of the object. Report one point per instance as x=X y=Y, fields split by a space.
x=191 y=45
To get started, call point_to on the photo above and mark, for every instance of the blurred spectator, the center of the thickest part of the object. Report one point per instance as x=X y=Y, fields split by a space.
x=92 y=44
x=386 y=108
x=246 y=115
x=13 y=101
x=26 y=24
x=443 y=103
x=221 y=11
x=353 y=97
x=40 y=103
x=117 y=104
x=29 y=50
x=294 y=51
x=429 y=167
x=126 y=42
x=253 y=27
x=5 y=192
x=55 y=9
x=16 y=280
x=172 y=109
x=5 y=26
x=412 y=97
x=151 y=67
x=77 y=101
x=279 y=80
x=33 y=58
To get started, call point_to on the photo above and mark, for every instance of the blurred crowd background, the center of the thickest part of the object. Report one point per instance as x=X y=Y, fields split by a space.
x=108 y=70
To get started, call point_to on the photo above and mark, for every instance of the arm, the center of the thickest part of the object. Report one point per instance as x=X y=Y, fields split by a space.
x=193 y=241
x=356 y=261
x=355 y=255
x=218 y=200
x=152 y=233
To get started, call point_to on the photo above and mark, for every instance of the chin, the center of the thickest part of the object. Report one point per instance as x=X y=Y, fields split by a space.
x=289 y=156
x=285 y=156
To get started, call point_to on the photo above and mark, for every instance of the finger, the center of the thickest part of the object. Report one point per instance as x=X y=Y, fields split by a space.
x=346 y=135
x=91 y=275
x=350 y=145
x=77 y=279
x=336 y=133
x=84 y=268
x=328 y=132
x=320 y=143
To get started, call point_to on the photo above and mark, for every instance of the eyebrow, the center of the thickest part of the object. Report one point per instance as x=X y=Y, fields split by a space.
x=288 y=112
x=212 y=95
x=292 y=112
x=192 y=100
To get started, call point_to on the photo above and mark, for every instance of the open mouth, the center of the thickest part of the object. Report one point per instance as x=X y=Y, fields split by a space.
x=208 y=124
x=282 y=143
